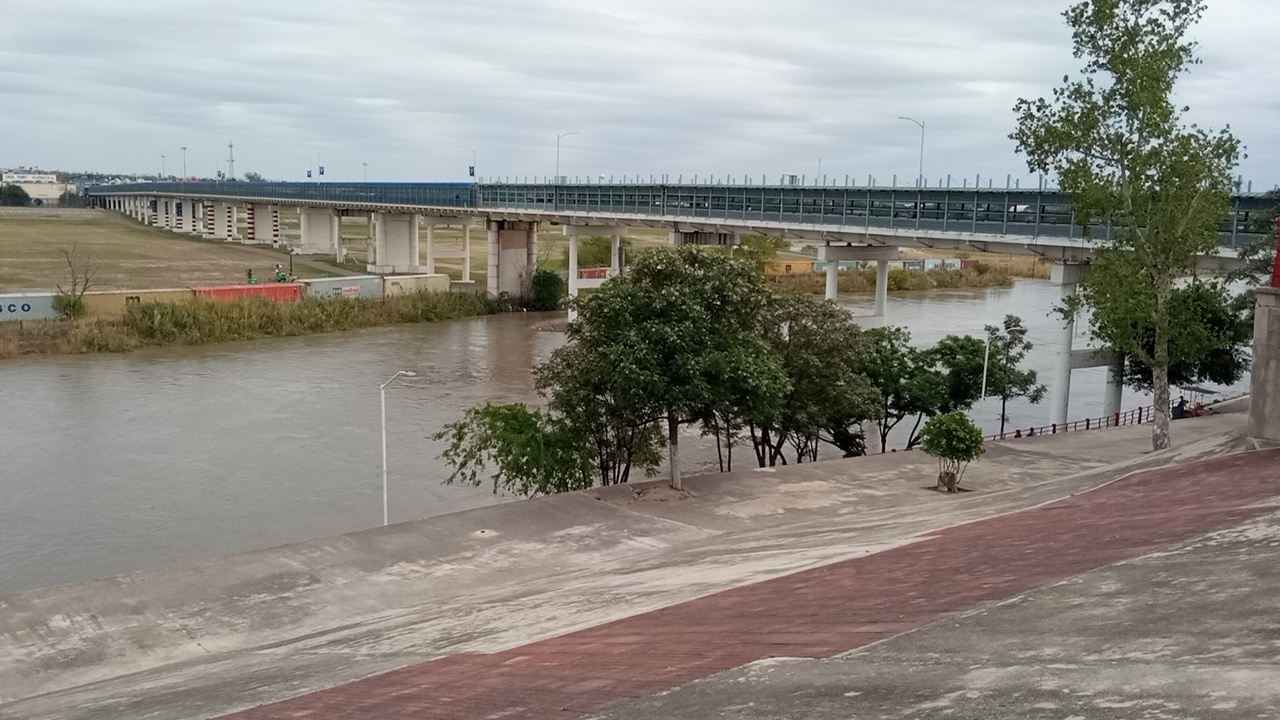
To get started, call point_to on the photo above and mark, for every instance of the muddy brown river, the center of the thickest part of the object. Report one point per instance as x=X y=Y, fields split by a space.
x=112 y=463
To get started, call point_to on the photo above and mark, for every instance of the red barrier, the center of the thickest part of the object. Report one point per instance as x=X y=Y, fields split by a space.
x=593 y=273
x=280 y=292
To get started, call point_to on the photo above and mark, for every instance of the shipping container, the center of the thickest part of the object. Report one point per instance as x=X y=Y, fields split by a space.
x=953 y=263
x=408 y=284
x=273 y=291
x=968 y=263
x=27 y=306
x=111 y=304
x=913 y=264
x=467 y=286
x=365 y=286
x=932 y=263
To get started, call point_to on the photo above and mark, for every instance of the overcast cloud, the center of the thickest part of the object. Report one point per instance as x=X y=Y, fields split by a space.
x=652 y=86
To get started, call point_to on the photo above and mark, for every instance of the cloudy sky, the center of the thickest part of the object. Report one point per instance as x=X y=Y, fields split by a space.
x=725 y=87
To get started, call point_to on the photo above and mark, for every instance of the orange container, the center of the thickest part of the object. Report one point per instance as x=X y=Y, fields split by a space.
x=280 y=292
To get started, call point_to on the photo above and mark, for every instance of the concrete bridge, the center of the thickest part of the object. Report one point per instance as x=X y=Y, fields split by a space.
x=866 y=224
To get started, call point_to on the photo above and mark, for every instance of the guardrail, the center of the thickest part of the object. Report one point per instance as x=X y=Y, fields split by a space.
x=1137 y=416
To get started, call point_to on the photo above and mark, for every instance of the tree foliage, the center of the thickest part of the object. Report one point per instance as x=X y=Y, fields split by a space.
x=683 y=333
x=527 y=452
x=1005 y=377
x=760 y=249
x=906 y=377
x=253 y=176
x=82 y=272
x=14 y=196
x=828 y=396
x=1211 y=343
x=955 y=441
x=1120 y=148
x=548 y=287
x=596 y=251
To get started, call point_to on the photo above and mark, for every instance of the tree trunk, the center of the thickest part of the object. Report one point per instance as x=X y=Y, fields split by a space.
x=1004 y=414
x=1160 y=372
x=673 y=451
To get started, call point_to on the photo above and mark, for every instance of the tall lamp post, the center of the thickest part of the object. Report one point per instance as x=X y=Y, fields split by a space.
x=472 y=170
x=184 y=162
x=162 y=157
x=405 y=373
x=558 y=138
x=920 y=177
x=366 y=171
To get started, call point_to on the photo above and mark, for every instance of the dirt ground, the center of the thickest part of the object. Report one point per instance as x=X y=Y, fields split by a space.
x=128 y=255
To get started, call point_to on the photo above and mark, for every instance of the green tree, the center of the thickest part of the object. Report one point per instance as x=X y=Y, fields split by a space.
x=1005 y=378
x=955 y=441
x=957 y=361
x=618 y=423
x=527 y=451
x=70 y=199
x=548 y=287
x=907 y=379
x=14 y=196
x=1213 y=327
x=823 y=354
x=1121 y=150
x=682 y=332
x=253 y=176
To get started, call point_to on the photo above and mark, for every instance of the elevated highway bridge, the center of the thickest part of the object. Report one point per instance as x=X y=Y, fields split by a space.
x=868 y=224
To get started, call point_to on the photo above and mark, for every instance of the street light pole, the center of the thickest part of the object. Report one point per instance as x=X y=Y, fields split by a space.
x=473 y=159
x=162 y=167
x=558 y=137
x=920 y=177
x=184 y=162
x=406 y=373
x=366 y=171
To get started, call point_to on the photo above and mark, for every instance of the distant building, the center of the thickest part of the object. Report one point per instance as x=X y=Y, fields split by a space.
x=44 y=188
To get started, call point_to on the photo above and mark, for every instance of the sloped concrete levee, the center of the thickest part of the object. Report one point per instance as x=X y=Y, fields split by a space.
x=219 y=636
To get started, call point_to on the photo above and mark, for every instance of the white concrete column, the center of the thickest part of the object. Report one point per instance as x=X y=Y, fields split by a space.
x=466 y=252
x=209 y=213
x=395 y=244
x=1114 y=394
x=153 y=208
x=431 y=248
x=415 y=248
x=673 y=237
x=335 y=231
x=250 y=224
x=275 y=224
x=531 y=248
x=317 y=225
x=615 y=255
x=882 y=287
x=833 y=279
x=573 y=275
x=491 y=278
x=1067 y=277
x=1264 y=400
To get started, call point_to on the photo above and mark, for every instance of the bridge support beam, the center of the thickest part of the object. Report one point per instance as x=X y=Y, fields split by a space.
x=1066 y=276
x=250 y=224
x=321 y=231
x=432 y=222
x=207 y=212
x=614 y=232
x=697 y=237
x=224 y=221
x=833 y=255
x=395 y=244
x=513 y=256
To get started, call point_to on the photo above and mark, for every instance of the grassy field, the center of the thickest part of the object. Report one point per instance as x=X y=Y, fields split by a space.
x=129 y=255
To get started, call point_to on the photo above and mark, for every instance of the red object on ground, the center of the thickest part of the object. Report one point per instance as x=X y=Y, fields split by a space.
x=968 y=263
x=815 y=613
x=279 y=292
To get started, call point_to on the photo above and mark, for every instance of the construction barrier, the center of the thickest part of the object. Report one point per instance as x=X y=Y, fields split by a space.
x=281 y=292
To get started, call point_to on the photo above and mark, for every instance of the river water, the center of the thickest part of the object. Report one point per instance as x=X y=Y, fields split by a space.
x=112 y=463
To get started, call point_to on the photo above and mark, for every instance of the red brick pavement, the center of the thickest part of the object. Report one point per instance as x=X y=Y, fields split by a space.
x=815 y=613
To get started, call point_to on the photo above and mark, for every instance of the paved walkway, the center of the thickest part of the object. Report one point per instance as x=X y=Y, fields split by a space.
x=815 y=613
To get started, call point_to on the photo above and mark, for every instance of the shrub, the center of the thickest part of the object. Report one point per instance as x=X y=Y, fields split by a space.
x=68 y=306
x=955 y=441
x=548 y=287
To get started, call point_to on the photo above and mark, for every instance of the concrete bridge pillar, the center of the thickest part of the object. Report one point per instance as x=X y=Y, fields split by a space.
x=181 y=208
x=207 y=215
x=224 y=221
x=1067 y=276
x=250 y=224
x=833 y=255
x=395 y=244
x=466 y=253
x=615 y=232
x=274 y=211
x=321 y=231
x=153 y=211
x=1264 y=401
x=697 y=237
x=513 y=256
x=432 y=222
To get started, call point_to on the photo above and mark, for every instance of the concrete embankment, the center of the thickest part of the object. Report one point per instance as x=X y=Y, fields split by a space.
x=216 y=636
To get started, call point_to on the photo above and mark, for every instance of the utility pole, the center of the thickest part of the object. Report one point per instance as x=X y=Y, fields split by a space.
x=558 y=138
x=184 y=163
x=231 y=160
x=162 y=167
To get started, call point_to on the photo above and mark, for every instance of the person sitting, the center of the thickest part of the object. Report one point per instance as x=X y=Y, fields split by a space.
x=1180 y=409
x=280 y=276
